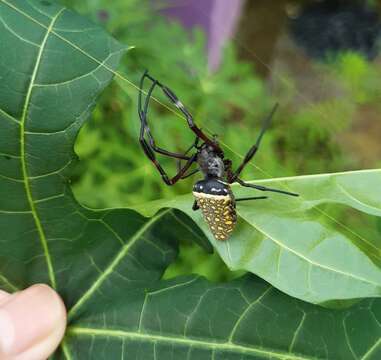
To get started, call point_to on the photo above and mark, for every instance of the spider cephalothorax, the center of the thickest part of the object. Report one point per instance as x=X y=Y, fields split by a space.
x=210 y=162
x=213 y=194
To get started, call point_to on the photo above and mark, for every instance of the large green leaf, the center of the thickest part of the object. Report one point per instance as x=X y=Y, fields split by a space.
x=189 y=318
x=107 y=265
x=297 y=246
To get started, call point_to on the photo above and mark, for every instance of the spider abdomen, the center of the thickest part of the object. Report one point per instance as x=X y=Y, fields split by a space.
x=217 y=204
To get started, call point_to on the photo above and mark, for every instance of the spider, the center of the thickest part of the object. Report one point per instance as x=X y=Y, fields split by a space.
x=213 y=194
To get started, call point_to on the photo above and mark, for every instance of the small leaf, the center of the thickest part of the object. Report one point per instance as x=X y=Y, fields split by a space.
x=297 y=246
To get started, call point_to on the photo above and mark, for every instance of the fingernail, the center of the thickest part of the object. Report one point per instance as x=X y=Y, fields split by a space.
x=27 y=318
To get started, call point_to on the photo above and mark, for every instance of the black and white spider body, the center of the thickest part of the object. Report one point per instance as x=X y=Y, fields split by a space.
x=213 y=194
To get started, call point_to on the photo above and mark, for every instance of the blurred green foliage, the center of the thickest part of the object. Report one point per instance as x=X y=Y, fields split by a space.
x=230 y=102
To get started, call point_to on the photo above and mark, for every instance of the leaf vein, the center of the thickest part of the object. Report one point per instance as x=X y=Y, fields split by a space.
x=101 y=65
x=10 y=117
x=242 y=316
x=378 y=210
x=326 y=267
x=11 y=178
x=371 y=350
x=209 y=345
x=28 y=190
x=347 y=338
x=14 y=33
x=7 y=283
x=297 y=331
x=114 y=263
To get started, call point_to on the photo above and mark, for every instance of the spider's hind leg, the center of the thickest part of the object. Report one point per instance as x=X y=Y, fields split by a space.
x=189 y=118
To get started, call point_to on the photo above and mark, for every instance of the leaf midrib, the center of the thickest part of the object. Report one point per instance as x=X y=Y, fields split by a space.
x=227 y=346
x=118 y=257
x=312 y=176
x=371 y=350
x=24 y=167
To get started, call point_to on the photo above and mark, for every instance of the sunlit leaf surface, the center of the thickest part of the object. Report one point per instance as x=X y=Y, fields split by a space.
x=107 y=265
x=298 y=246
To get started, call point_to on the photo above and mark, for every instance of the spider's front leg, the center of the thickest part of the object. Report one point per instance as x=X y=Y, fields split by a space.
x=145 y=129
x=164 y=176
x=189 y=118
x=149 y=146
x=253 y=150
x=179 y=164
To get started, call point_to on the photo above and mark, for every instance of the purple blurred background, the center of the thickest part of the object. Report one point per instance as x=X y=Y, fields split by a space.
x=218 y=18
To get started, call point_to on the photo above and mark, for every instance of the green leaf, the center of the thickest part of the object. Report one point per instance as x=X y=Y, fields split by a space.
x=107 y=265
x=296 y=245
x=48 y=89
x=189 y=318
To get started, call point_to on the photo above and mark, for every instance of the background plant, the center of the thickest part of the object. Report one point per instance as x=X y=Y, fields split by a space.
x=306 y=136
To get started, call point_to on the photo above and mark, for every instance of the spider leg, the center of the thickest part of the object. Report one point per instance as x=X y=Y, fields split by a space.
x=179 y=164
x=151 y=155
x=150 y=148
x=169 y=181
x=250 y=154
x=174 y=99
x=263 y=188
x=190 y=174
x=145 y=130
x=183 y=170
x=251 y=198
x=195 y=206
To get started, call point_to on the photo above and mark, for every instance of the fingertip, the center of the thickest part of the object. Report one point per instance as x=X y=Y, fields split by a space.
x=3 y=296
x=32 y=323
